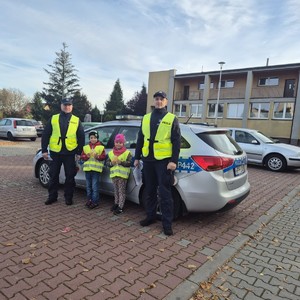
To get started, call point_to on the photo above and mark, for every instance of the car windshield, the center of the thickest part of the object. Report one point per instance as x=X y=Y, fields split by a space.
x=24 y=123
x=264 y=138
x=221 y=142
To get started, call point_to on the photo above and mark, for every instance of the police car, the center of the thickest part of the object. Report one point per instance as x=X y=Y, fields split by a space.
x=211 y=174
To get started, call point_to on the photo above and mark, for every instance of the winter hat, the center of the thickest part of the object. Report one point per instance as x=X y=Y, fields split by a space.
x=120 y=138
x=93 y=132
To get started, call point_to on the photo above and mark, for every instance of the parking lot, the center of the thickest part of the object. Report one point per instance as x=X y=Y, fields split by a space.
x=70 y=252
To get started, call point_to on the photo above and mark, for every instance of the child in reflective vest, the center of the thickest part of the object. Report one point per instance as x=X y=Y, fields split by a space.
x=119 y=161
x=93 y=155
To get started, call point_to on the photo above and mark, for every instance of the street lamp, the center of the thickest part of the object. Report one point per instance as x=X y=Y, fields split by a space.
x=221 y=63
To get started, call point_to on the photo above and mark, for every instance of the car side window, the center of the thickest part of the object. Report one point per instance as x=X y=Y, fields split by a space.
x=2 y=122
x=104 y=134
x=244 y=137
x=8 y=122
x=131 y=134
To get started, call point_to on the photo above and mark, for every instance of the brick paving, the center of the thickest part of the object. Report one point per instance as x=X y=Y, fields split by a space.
x=111 y=257
x=268 y=266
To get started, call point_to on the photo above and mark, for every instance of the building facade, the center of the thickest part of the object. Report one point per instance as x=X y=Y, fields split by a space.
x=263 y=98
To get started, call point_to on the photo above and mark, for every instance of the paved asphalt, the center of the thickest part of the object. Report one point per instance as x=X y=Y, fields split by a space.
x=69 y=252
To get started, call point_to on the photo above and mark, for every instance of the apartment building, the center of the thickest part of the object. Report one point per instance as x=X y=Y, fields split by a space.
x=264 y=98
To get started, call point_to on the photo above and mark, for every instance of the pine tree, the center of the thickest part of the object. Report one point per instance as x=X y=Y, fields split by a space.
x=138 y=104
x=115 y=104
x=63 y=80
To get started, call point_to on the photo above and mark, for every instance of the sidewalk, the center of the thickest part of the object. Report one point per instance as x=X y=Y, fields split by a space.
x=266 y=267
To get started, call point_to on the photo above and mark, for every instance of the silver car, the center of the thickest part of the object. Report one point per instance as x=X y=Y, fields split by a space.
x=265 y=151
x=13 y=128
x=211 y=174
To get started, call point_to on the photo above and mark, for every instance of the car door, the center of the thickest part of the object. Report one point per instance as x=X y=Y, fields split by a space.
x=3 y=128
x=252 y=146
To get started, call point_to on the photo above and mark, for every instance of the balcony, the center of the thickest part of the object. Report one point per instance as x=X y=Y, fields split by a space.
x=231 y=93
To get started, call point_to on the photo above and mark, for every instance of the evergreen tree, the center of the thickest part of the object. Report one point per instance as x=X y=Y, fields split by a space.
x=63 y=81
x=81 y=106
x=115 y=104
x=37 y=109
x=96 y=116
x=138 y=104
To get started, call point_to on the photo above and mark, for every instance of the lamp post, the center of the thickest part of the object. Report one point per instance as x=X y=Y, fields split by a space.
x=221 y=63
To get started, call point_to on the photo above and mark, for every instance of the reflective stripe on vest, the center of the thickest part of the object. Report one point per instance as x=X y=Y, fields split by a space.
x=118 y=170
x=162 y=146
x=93 y=164
x=55 y=143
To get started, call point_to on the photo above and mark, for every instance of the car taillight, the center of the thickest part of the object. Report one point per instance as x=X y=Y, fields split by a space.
x=15 y=124
x=212 y=163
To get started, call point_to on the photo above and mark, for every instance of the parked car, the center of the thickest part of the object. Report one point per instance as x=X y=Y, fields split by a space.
x=211 y=174
x=266 y=151
x=87 y=125
x=13 y=128
x=38 y=126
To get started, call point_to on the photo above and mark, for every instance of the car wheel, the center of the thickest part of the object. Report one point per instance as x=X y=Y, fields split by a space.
x=10 y=136
x=177 y=208
x=275 y=162
x=33 y=139
x=43 y=173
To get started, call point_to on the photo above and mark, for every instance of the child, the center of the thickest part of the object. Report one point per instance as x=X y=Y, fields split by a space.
x=93 y=156
x=119 y=160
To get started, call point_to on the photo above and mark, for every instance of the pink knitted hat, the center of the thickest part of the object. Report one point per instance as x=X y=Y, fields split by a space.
x=120 y=138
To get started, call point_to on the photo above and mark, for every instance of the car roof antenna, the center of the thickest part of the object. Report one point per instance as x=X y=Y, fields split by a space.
x=188 y=119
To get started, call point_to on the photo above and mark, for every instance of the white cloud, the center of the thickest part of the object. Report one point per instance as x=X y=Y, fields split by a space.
x=125 y=40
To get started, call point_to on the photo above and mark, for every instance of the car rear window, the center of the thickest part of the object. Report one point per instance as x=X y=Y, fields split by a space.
x=24 y=123
x=221 y=141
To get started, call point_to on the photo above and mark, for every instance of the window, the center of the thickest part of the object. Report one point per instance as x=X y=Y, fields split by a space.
x=104 y=133
x=201 y=85
x=131 y=134
x=244 y=137
x=259 y=110
x=196 y=110
x=180 y=110
x=184 y=144
x=283 y=110
x=211 y=110
x=227 y=83
x=268 y=81
x=235 y=110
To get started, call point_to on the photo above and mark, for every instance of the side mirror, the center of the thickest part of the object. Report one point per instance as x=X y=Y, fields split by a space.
x=255 y=142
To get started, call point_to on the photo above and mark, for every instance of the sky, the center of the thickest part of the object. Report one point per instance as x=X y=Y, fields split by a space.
x=125 y=40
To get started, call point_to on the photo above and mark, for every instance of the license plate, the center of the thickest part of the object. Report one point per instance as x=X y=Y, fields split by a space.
x=239 y=170
x=26 y=129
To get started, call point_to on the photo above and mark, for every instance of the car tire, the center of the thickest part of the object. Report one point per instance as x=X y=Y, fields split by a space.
x=10 y=136
x=177 y=208
x=33 y=139
x=43 y=173
x=275 y=162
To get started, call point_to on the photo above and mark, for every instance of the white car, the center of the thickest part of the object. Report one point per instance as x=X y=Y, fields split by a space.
x=211 y=174
x=13 y=128
x=265 y=151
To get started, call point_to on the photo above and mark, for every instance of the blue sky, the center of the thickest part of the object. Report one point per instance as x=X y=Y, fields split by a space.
x=111 y=39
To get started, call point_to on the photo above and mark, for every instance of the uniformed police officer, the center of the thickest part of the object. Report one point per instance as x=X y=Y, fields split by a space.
x=64 y=135
x=158 y=145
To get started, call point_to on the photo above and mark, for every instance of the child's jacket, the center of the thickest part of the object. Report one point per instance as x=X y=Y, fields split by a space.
x=97 y=156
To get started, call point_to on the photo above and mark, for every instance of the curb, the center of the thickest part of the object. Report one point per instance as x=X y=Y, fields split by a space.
x=187 y=288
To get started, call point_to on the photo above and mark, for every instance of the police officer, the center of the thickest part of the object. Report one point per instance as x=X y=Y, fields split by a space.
x=158 y=145
x=65 y=136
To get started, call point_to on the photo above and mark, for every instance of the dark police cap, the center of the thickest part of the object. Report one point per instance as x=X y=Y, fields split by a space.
x=67 y=101
x=160 y=94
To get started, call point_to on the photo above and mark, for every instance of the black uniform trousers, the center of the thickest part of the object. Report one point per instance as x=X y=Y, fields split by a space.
x=156 y=175
x=57 y=161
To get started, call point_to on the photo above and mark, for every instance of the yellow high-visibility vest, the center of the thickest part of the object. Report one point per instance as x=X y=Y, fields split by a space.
x=118 y=170
x=55 y=143
x=93 y=164
x=162 y=146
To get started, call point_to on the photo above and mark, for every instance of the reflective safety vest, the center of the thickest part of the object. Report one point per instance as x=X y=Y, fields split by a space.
x=55 y=143
x=118 y=170
x=162 y=146
x=93 y=164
